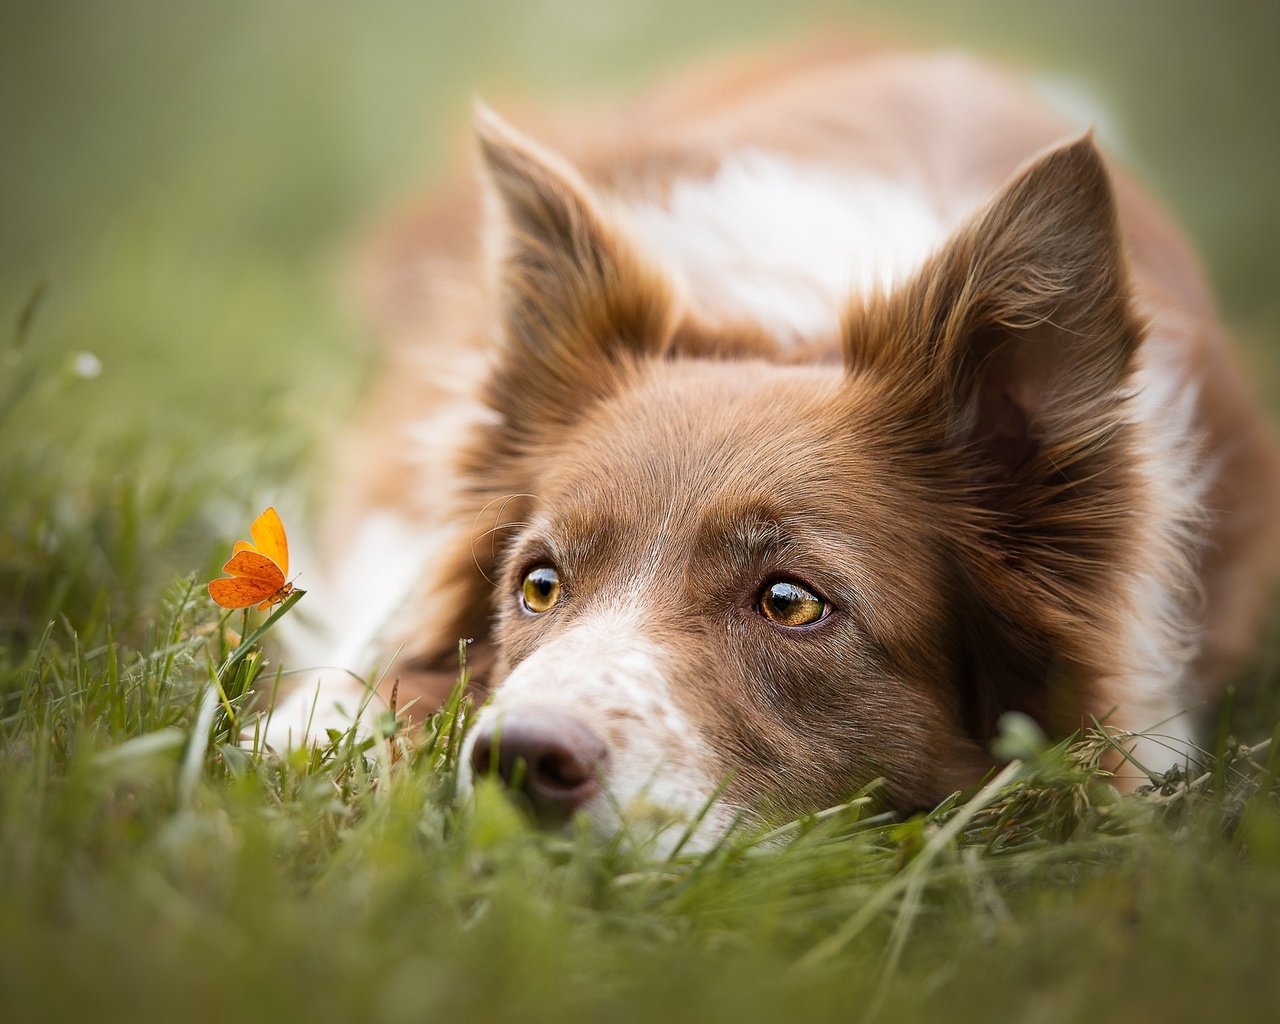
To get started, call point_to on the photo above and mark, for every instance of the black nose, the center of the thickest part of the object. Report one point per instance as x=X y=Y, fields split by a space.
x=549 y=756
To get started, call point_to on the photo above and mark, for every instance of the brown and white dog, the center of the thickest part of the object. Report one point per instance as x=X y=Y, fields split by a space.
x=787 y=429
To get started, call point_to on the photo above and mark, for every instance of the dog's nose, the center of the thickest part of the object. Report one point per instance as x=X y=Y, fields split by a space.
x=552 y=758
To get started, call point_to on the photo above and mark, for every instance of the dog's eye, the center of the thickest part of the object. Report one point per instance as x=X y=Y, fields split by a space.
x=789 y=604
x=540 y=590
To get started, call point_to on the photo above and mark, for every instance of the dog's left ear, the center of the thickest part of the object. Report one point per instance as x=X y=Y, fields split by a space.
x=1008 y=356
x=1020 y=329
x=578 y=304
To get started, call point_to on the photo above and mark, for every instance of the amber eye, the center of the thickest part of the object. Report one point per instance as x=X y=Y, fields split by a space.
x=790 y=604
x=540 y=590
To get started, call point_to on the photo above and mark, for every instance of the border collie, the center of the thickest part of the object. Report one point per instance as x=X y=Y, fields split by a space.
x=779 y=433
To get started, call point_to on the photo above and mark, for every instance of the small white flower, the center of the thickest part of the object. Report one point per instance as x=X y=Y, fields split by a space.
x=86 y=365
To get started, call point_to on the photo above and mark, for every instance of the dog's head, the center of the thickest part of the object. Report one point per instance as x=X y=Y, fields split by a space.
x=728 y=570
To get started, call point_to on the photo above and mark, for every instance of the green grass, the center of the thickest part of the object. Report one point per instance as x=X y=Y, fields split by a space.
x=151 y=868
x=188 y=179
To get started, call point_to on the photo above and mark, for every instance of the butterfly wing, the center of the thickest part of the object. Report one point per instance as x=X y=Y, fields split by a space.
x=239 y=593
x=268 y=536
x=254 y=579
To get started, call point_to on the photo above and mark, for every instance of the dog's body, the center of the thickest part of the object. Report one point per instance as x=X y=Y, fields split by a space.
x=807 y=418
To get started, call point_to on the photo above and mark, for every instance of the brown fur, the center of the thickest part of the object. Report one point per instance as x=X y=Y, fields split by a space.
x=957 y=471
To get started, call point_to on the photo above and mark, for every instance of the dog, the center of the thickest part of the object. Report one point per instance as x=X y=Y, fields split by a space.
x=781 y=432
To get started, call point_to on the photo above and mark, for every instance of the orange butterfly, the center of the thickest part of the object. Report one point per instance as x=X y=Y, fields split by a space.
x=257 y=570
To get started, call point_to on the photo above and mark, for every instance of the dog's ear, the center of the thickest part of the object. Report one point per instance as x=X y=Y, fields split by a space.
x=1009 y=356
x=577 y=303
x=1020 y=329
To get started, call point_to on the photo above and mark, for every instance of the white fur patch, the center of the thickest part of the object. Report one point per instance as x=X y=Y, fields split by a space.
x=608 y=675
x=1155 y=696
x=346 y=621
x=786 y=243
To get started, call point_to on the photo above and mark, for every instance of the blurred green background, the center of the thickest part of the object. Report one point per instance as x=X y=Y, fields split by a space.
x=192 y=179
x=192 y=175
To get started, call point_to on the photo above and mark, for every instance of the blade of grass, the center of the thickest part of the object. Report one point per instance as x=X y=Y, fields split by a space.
x=904 y=881
x=247 y=643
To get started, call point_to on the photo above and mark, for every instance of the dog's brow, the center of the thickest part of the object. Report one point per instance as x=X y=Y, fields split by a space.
x=575 y=539
x=752 y=531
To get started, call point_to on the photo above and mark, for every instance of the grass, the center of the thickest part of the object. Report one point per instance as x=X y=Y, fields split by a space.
x=176 y=183
x=152 y=868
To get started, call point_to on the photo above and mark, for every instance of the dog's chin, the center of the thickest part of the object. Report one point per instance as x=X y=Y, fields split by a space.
x=659 y=831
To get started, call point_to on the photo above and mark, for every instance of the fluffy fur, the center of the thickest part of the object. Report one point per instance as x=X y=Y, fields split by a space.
x=876 y=323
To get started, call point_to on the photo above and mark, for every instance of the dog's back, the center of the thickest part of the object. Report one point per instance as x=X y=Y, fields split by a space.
x=810 y=213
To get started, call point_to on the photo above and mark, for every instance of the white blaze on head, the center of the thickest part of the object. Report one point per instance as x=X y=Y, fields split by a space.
x=605 y=673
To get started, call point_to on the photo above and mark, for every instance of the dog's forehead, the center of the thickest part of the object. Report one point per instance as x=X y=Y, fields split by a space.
x=689 y=435
x=787 y=460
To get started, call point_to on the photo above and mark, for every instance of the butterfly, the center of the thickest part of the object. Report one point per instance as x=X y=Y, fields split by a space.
x=257 y=571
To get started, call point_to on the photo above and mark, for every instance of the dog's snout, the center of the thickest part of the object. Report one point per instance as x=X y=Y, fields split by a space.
x=552 y=758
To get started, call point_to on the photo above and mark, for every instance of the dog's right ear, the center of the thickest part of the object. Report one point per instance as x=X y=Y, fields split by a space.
x=578 y=306
x=1020 y=329
x=1012 y=349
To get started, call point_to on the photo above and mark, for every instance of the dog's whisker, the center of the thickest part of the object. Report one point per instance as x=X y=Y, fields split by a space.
x=505 y=499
